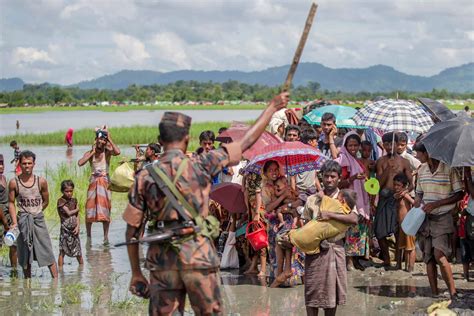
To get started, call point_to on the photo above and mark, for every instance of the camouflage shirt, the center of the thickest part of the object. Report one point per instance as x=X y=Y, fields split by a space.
x=146 y=202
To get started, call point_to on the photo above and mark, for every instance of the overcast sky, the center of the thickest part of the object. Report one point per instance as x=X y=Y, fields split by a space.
x=66 y=41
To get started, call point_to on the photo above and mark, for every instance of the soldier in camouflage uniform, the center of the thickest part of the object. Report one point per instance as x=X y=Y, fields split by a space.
x=193 y=269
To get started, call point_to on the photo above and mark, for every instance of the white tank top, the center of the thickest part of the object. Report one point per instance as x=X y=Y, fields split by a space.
x=29 y=199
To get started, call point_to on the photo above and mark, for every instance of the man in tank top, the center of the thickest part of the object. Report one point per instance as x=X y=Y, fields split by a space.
x=4 y=214
x=30 y=192
x=98 y=204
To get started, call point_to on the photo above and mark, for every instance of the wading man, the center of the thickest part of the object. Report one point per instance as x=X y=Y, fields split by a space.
x=31 y=195
x=189 y=266
x=99 y=204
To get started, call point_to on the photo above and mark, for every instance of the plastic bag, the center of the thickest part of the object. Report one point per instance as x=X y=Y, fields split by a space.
x=230 y=257
x=122 y=179
x=412 y=221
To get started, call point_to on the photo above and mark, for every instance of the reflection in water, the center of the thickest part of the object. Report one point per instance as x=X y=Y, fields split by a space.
x=100 y=272
x=69 y=156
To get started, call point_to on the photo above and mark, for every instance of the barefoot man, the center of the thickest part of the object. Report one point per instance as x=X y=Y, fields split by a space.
x=99 y=205
x=32 y=197
x=388 y=167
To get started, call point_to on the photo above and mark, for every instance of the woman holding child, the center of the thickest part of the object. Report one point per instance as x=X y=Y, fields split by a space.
x=273 y=197
x=354 y=177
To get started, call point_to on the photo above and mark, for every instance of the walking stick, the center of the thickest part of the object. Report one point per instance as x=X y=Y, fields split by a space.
x=299 y=49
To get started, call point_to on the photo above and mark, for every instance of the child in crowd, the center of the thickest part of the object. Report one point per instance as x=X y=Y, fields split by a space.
x=281 y=186
x=405 y=244
x=68 y=210
x=369 y=164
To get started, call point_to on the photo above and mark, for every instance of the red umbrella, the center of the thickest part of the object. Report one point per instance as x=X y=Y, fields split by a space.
x=237 y=132
x=230 y=196
x=295 y=157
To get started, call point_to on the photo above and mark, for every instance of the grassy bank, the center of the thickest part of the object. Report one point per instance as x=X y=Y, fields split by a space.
x=39 y=109
x=120 y=135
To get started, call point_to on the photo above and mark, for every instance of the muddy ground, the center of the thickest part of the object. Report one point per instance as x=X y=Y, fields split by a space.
x=100 y=287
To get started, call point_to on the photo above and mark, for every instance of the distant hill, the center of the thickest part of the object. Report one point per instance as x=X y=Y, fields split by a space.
x=11 y=84
x=372 y=79
x=378 y=78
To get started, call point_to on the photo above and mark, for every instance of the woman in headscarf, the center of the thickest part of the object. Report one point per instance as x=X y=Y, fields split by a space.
x=354 y=177
x=68 y=137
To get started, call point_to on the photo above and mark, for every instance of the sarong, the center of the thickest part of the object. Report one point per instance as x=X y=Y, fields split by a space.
x=435 y=233
x=69 y=243
x=98 y=203
x=326 y=277
x=34 y=242
x=385 y=223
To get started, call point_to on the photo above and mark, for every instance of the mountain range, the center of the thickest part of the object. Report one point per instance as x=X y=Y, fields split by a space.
x=378 y=78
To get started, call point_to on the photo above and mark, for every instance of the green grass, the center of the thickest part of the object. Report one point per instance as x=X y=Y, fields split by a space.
x=37 y=109
x=120 y=135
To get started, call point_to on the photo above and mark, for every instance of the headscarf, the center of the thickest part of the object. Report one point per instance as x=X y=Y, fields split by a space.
x=69 y=134
x=345 y=159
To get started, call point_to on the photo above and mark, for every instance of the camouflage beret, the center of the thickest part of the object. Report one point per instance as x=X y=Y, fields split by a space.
x=176 y=118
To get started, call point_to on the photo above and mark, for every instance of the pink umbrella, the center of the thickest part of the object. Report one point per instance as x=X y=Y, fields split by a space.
x=237 y=132
x=230 y=196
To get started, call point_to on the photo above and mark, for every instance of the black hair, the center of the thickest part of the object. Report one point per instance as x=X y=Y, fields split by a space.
x=402 y=137
x=27 y=154
x=222 y=130
x=466 y=108
x=66 y=184
x=293 y=128
x=207 y=135
x=268 y=164
x=419 y=146
x=155 y=147
x=353 y=136
x=389 y=137
x=170 y=133
x=366 y=143
x=402 y=178
x=308 y=135
x=350 y=197
x=13 y=143
x=328 y=117
x=331 y=166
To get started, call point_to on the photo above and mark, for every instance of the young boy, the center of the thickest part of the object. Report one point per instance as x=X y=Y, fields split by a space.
x=369 y=164
x=68 y=210
x=206 y=142
x=405 y=244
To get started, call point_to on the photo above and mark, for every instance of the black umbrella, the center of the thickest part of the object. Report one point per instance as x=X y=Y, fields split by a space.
x=452 y=142
x=437 y=110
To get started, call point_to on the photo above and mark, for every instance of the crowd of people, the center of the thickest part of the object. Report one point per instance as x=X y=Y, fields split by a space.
x=371 y=233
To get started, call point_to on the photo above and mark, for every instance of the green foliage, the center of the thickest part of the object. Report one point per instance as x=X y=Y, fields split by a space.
x=181 y=91
x=120 y=135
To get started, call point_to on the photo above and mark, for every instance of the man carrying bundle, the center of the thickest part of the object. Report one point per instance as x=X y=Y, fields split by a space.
x=188 y=265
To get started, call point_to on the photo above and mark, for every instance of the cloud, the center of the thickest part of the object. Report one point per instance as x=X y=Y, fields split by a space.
x=24 y=56
x=66 y=41
x=131 y=50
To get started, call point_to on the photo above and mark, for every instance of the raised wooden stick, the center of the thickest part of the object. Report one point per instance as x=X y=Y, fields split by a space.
x=299 y=49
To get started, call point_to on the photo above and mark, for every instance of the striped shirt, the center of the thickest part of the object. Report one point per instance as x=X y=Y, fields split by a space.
x=441 y=184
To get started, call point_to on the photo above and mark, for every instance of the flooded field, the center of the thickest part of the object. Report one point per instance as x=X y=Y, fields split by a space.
x=100 y=287
x=55 y=121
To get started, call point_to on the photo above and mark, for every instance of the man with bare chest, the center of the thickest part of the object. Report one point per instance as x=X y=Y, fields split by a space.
x=385 y=223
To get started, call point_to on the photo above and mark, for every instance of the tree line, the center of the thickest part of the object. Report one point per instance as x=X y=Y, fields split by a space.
x=182 y=91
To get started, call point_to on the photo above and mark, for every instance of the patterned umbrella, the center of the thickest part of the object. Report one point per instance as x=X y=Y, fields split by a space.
x=452 y=142
x=342 y=113
x=394 y=115
x=238 y=131
x=295 y=157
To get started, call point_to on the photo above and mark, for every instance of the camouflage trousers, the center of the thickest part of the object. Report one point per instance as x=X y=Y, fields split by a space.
x=168 y=291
